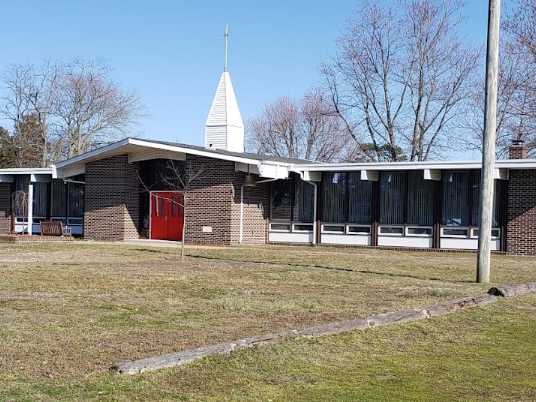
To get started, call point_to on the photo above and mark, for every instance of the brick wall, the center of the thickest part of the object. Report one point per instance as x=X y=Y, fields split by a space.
x=209 y=201
x=518 y=151
x=256 y=212
x=111 y=200
x=521 y=213
x=5 y=208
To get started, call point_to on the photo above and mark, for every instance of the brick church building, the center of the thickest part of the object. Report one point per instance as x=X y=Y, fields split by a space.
x=220 y=195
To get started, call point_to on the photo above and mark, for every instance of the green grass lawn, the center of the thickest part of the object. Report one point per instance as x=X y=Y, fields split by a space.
x=70 y=311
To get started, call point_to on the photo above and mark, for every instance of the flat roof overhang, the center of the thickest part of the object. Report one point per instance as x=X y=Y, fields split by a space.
x=431 y=165
x=36 y=174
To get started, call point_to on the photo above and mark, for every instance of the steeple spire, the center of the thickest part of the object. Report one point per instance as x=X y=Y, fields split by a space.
x=224 y=128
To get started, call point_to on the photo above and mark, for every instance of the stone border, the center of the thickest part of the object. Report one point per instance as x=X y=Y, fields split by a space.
x=513 y=290
x=377 y=320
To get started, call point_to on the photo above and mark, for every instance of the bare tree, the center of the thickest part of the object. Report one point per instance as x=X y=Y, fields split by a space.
x=400 y=78
x=29 y=93
x=89 y=109
x=176 y=176
x=305 y=129
x=516 y=111
x=76 y=105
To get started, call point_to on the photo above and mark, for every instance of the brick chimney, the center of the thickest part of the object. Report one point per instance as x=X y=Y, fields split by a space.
x=518 y=150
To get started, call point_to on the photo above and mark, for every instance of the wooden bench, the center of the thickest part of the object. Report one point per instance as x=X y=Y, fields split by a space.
x=54 y=228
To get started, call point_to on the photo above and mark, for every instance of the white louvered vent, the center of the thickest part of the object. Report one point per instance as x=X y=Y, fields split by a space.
x=224 y=127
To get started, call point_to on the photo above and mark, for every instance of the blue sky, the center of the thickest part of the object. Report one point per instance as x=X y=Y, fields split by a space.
x=170 y=53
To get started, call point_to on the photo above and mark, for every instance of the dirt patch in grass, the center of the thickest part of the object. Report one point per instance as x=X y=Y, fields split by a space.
x=69 y=311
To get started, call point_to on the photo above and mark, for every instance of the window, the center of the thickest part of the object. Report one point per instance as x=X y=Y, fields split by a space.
x=495 y=233
x=420 y=203
x=280 y=227
x=358 y=230
x=456 y=198
x=497 y=201
x=20 y=197
x=455 y=232
x=59 y=198
x=281 y=199
x=334 y=197
x=76 y=199
x=335 y=229
x=392 y=230
x=393 y=186
x=292 y=200
x=359 y=199
x=418 y=231
x=301 y=227
x=461 y=191
x=303 y=201
x=40 y=199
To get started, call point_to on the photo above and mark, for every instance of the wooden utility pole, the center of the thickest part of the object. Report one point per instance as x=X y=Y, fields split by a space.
x=488 y=154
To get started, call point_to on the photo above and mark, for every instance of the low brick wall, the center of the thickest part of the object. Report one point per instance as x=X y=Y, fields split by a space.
x=521 y=213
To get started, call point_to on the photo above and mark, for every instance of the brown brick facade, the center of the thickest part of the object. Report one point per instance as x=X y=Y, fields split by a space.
x=111 y=200
x=212 y=212
x=5 y=208
x=256 y=212
x=518 y=151
x=209 y=201
x=521 y=213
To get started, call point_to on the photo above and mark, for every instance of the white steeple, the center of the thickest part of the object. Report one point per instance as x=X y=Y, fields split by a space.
x=224 y=128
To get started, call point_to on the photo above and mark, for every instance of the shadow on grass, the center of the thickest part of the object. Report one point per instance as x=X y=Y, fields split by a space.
x=359 y=271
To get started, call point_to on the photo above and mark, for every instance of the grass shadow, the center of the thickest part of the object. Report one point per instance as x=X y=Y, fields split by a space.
x=317 y=266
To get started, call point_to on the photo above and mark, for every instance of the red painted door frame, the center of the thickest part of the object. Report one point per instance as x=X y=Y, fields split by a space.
x=166 y=215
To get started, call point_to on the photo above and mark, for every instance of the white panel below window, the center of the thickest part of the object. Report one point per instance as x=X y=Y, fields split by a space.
x=466 y=244
x=348 y=240
x=399 y=241
x=281 y=237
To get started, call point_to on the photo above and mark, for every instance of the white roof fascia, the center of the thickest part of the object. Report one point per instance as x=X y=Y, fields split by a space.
x=208 y=154
x=154 y=145
x=20 y=171
x=94 y=153
x=442 y=165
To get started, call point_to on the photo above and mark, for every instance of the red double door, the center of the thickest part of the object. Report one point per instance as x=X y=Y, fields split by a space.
x=167 y=215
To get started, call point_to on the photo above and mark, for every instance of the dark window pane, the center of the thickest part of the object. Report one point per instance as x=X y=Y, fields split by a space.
x=359 y=199
x=280 y=227
x=392 y=198
x=333 y=228
x=419 y=231
x=455 y=232
x=392 y=230
x=76 y=200
x=281 y=199
x=475 y=194
x=456 y=206
x=40 y=199
x=420 y=206
x=334 y=197
x=303 y=228
x=20 y=197
x=303 y=201
x=59 y=198
x=359 y=229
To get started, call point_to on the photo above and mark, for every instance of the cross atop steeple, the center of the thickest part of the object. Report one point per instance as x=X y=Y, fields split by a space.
x=226 y=38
